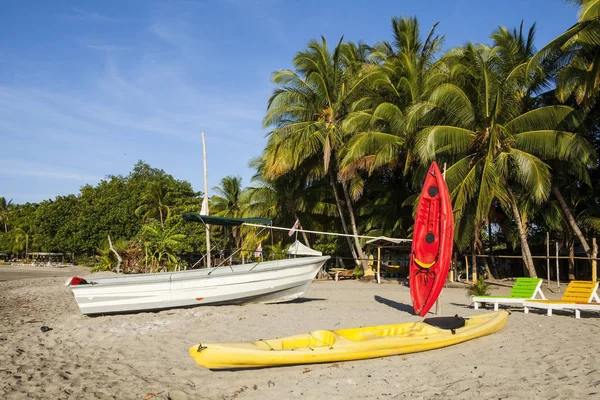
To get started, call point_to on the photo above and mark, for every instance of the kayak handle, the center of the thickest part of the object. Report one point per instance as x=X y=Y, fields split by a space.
x=200 y=348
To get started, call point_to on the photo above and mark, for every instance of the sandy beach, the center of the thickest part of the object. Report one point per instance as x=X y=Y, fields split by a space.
x=145 y=355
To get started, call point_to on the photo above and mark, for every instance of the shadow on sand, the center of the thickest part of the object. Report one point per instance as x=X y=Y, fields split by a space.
x=464 y=305
x=394 y=304
x=301 y=300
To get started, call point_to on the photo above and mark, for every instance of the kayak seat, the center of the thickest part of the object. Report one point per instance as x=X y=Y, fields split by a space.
x=424 y=265
x=450 y=323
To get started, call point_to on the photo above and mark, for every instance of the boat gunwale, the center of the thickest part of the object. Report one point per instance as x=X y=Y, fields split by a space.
x=134 y=279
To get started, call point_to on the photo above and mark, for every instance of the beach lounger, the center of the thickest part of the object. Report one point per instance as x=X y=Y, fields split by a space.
x=523 y=289
x=577 y=296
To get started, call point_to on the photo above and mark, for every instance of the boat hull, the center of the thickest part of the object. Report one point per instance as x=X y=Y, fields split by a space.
x=343 y=345
x=271 y=282
x=432 y=242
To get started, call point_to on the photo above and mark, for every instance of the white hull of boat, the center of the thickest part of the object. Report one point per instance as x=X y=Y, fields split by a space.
x=269 y=282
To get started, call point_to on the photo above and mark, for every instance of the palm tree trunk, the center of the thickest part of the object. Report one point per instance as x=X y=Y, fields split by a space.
x=354 y=230
x=306 y=242
x=571 y=260
x=572 y=222
x=474 y=253
x=161 y=215
x=525 y=251
x=340 y=211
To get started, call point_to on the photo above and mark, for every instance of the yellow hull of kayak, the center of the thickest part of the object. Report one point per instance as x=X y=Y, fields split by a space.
x=343 y=345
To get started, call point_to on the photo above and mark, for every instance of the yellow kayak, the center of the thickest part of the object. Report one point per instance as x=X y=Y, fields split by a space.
x=348 y=344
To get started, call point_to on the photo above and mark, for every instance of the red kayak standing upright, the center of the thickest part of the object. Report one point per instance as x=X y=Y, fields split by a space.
x=432 y=242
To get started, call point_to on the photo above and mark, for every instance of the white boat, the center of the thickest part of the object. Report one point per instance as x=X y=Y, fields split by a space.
x=267 y=282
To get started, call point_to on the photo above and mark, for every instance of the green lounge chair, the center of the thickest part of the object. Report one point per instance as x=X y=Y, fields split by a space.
x=579 y=295
x=523 y=289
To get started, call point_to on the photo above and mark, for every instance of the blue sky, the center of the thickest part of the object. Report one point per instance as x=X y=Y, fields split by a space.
x=87 y=88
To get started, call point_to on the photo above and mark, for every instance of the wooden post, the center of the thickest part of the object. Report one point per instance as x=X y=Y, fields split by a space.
x=378 y=264
x=439 y=309
x=548 y=256
x=453 y=271
x=594 y=262
x=205 y=201
x=557 y=271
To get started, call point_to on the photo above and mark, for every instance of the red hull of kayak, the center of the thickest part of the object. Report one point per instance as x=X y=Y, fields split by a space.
x=432 y=242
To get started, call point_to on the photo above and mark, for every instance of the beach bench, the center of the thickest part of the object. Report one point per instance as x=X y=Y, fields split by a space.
x=523 y=289
x=579 y=295
x=338 y=273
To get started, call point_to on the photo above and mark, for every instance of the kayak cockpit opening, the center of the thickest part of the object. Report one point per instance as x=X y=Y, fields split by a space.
x=321 y=338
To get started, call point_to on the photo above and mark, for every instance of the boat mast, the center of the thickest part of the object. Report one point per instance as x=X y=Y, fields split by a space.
x=205 y=204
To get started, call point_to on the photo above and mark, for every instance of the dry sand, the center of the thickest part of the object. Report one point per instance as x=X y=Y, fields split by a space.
x=145 y=355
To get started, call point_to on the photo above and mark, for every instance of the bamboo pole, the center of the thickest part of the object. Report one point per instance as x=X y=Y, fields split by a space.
x=208 y=256
x=548 y=257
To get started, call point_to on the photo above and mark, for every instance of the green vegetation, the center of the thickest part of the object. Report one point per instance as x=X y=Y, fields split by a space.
x=141 y=212
x=352 y=129
x=479 y=288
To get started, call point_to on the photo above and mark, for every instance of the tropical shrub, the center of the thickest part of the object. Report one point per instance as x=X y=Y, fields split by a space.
x=479 y=288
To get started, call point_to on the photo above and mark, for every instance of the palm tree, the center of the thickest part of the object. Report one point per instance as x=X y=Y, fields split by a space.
x=382 y=144
x=287 y=198
x=574 y=57
x=4 y=211
x=306 y=114
x=21 y=239
x=383 y=136
x=161 y=244
x=155 y=200
x=574 y=54
x=478 y=121
x=229 y=202
x=580 y=181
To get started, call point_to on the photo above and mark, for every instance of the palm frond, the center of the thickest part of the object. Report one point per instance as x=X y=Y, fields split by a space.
x=532 y=173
